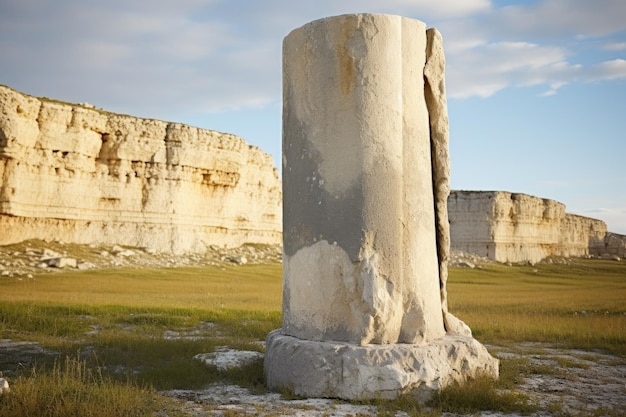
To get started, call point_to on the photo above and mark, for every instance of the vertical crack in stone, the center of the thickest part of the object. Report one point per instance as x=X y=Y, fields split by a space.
x=434 y=82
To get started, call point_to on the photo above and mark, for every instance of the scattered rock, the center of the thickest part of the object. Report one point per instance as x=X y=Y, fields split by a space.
x=86 y=265
x=48 y=254
x=220 y=399
x=580 y=383
x=119 y=251
x=467 y=260
x=4 y=385
x=61 y=262
x=466 y=264
x=225 y=358
x=239 y=260
x=32 y=257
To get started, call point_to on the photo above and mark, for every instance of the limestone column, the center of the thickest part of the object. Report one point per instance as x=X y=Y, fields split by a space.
x=362 y=291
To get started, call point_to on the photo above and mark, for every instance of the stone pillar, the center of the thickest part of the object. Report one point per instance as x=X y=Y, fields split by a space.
x=364 y=240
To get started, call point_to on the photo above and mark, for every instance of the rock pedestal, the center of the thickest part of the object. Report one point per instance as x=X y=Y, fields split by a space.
x=365 y=236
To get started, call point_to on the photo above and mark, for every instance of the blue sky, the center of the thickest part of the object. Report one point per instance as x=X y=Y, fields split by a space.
x=536 y=89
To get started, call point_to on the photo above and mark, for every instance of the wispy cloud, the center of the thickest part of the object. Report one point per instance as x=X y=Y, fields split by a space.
x=534 y=44
x=485 y=69
x=615 y=46
x=608 y=70
x=209 y=56
x=555 y=19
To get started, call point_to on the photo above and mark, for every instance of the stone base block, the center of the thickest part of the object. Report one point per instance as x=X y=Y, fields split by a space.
x=351 y=372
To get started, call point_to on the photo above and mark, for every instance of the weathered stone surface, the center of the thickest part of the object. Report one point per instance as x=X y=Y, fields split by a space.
x=345 y=370
x=580 y=236
x=436 y=102
x=360 y=248
x=511 y=227
x=61 y=262
x=614 y=244
x=365 y=237
x=81 y=175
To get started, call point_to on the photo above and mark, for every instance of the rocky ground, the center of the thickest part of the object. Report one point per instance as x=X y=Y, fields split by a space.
x=36 y=257
x=573 y=382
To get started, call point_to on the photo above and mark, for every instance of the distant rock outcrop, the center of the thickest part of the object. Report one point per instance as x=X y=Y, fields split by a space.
x=511 y=227
x=77 y=174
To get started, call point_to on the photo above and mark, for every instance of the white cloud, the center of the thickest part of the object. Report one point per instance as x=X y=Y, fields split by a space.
x=215 y=55
x=547 y=18
x=435 y=9
x=615 y=46
x=533 y=44
x=154 y=56
x=608 y=70
x=485 y=69
x=553 y=89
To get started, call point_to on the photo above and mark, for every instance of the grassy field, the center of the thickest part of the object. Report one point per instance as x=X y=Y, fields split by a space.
x=107 y=327
x=581 y=305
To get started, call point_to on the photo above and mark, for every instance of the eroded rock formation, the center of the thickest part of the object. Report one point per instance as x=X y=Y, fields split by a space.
x=77 y=174
x=513 y=227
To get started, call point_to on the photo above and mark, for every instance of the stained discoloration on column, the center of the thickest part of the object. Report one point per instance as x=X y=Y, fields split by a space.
x=357 y=181
x=365 y=186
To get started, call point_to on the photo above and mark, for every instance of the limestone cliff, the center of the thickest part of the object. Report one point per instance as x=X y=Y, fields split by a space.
x=511 y=227
x=73 y=173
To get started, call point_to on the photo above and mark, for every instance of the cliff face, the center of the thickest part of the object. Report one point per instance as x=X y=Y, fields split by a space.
x=581 y=236
x=76 y=174
x=509 y=227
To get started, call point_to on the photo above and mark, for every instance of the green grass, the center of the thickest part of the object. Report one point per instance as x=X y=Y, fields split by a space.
x=582 y=305
x=111 y=324
x=482 y=393
x=131 y=310
x=72 y=389
x=249 y=287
